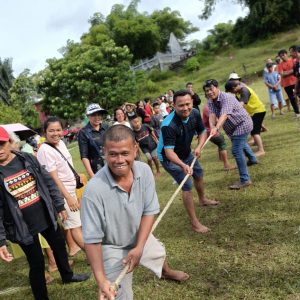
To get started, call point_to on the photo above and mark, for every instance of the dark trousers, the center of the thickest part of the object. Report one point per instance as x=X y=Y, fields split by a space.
x=289 y=91
x=35 y=258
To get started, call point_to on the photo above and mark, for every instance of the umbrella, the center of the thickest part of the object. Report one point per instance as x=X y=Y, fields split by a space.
x=21 y=130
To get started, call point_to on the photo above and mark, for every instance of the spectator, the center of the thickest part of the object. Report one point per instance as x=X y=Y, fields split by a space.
x=30 y=203
x=120 y=117
x=162 y=106
x=156 y=119
x=90 y=139
x=195 y=97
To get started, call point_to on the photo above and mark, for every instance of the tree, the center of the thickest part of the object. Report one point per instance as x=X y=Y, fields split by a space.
x=170 y=21
x=22 y=94
x=9 y=114
x=86 y=74
x=6 y=79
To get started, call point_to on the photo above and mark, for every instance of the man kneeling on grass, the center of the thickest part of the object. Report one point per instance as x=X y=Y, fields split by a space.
x=118 y=209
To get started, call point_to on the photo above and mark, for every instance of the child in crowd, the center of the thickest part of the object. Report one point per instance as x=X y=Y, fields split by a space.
x=156 y=119
x=272 y=80
x=147 y=141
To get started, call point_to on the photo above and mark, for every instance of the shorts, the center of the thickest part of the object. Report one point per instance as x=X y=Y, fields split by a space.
x=257 y=122
x=73 y=220
x=275 y=97
x=177 y=173
x=153 y=258
x=219 y=141
x=150 y=154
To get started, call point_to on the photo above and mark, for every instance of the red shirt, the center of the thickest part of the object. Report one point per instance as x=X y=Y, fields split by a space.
x=287 y=66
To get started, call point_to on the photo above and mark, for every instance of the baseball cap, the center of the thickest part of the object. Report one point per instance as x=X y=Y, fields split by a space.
x=4 y=136
x=234 y=76
x=95 y=107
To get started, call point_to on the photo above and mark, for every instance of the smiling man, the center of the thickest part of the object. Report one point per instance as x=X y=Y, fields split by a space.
x=118 y=209
x=174 y=152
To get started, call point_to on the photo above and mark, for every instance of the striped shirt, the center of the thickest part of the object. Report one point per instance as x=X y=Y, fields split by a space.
x=238 y=121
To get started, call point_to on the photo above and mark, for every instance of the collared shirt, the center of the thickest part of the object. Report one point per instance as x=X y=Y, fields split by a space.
x=238 y=121
x=178 y=134
x=112 y=216
x=90 y=143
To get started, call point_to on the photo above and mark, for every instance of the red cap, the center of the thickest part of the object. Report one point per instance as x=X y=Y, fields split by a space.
x=4 y=136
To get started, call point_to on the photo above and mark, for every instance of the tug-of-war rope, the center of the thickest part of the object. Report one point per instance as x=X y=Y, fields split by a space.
x=115 y=286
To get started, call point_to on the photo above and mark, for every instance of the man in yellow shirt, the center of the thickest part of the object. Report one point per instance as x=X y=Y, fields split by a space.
x=255 y=108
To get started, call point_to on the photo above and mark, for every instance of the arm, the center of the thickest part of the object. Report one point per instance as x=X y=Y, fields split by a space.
x=214 y=130
x=72 y=202
x=134 y=255
x=87 y=165
x=173 y=157
x=201 y=140
x=95 y=258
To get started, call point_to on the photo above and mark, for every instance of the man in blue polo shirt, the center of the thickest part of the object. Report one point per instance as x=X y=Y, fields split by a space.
x=174 y=152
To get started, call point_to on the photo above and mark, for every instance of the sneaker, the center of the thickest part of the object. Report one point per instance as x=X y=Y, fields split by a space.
x=251 y=163
x=239 y=185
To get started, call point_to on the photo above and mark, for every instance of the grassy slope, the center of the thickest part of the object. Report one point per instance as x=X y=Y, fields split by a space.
x=253 y=249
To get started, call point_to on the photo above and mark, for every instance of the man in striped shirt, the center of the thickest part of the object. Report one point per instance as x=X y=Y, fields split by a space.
x=225 y=111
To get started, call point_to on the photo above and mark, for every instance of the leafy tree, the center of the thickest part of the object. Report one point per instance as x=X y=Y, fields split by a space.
x=86 y=74
x=6 y=79
x=9 y=114
x=170 y=21
x=22 y=95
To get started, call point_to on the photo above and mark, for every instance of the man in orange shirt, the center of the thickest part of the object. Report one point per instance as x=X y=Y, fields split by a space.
x=288 y=80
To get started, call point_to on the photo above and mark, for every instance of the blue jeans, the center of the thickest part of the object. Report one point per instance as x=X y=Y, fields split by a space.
x=239 y=148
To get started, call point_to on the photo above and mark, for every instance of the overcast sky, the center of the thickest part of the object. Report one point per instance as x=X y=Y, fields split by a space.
x=33 y=30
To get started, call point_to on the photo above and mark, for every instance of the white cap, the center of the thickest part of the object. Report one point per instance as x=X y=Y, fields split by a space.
x=234 y=76
x=95 y=107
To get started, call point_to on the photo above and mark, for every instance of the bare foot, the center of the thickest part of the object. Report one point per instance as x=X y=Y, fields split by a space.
x=229 y=168
x=52 y=268
x=198 y=227
x=48 y=278
x=74 y=251
x=208 y=202
x=175 y=275
x=260 y=153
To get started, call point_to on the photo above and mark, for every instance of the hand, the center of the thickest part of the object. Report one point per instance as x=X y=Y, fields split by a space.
x=63 y=215
x=187 y=169
x=81 y=178
x=5 y=255
x=73 y=203
x=133 y=258
x=214 y=131
x=105 y=291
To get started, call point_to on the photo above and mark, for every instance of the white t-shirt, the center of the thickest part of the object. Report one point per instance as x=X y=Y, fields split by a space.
x=52 y=160
x=163 y=109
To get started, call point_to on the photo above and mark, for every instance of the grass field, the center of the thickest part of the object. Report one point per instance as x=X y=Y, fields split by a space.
x=253 y=249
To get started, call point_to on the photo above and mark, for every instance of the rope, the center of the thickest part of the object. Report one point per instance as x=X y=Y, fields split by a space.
x=115 y=286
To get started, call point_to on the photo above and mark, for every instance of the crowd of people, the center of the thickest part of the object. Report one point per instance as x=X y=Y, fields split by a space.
x=113 y=220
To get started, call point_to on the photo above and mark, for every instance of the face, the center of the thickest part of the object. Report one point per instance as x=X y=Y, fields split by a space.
x=136 y=123
x=95 y=119
x=120 y=115
x=156 y=109
x=5 y=152
x=293 y=53
x=54 y=133
x=189 y=87
x=212 y=92
x=183 y=106
x=129 y=108
x=120 y=156
x=141 y=104
x=284 y=56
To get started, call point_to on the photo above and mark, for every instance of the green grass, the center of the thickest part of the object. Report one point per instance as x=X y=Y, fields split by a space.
x=253 y=249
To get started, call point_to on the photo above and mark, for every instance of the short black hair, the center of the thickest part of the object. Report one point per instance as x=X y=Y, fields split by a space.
x=209 y=83
x=298 y=49
x=282 y=51
x=52 y=119
x=118 y=133
x=155 y=104
x=188 y=84
x=293 y=47
x=230 y=85
x=181 y=93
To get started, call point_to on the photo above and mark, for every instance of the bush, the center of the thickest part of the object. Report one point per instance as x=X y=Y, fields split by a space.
x=192 y=64
x=157 y=75
x=151 y=87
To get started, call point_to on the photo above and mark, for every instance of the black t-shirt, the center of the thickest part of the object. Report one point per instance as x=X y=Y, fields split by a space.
x=297 y=69
x=22 y=186
x=144 y=138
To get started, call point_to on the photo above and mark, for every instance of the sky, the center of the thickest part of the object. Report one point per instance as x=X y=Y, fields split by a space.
x=32 y=31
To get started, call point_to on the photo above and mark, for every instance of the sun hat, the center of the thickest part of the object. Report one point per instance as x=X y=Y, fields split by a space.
x=234 y=76
x=95 y=107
